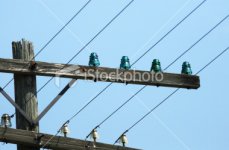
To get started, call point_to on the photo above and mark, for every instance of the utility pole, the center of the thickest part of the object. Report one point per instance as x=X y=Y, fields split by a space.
x=25 y=91
x=25 y=70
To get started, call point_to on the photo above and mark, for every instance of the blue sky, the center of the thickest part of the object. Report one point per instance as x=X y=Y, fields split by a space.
x=189 y=120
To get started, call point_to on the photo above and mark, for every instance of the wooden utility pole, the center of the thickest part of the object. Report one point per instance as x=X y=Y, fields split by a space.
x=25 y=91
x=25 y=70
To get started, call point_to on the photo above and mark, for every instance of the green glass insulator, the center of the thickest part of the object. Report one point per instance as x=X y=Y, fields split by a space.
x=156 y=65
x=125 y=63
x=94 y=60
x=186 y=68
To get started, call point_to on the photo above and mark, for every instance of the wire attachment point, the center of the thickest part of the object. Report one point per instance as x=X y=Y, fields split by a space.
x=94 y=135
x=122 y=139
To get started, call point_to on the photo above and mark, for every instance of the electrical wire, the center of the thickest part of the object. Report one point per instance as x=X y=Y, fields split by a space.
x=174 y=92
x=91 y=40
x=225 y=18
x=82 y=49
x=59 y=130
x=170 y=31
x=55 y=35
x=104 y=89
x=128 y=100
x=138 y=59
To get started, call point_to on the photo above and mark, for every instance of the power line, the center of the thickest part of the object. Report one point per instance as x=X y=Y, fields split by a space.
x=89 y=102
x=104 y=89
x=128 y=100
x=169 y=31
x=71 y=19
x=92 y=39
x=54 y=135
x=135 y=62
x=82 y=49
x=198 y=41
x=121 y=106
x=209 y=63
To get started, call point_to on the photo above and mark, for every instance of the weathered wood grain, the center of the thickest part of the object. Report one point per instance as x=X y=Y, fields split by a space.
x=16 y=136
x=89 y=73
x=25 y=90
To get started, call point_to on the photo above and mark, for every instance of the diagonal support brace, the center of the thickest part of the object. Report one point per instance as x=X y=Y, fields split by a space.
x=53 y=102
x=16 y=106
